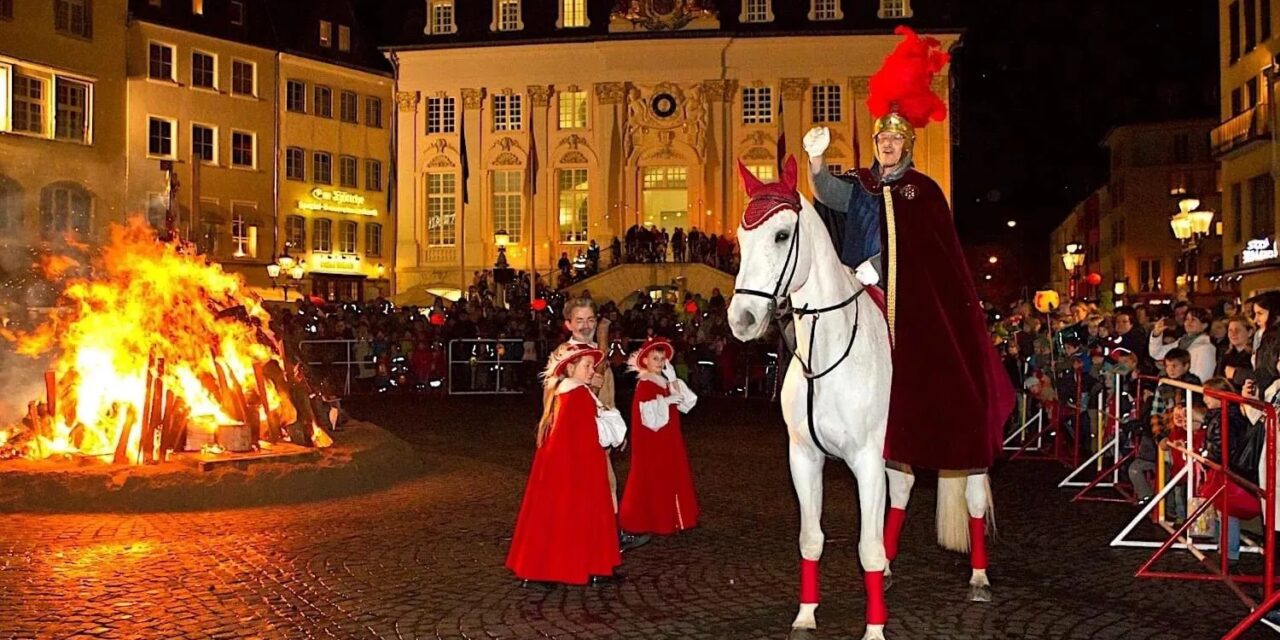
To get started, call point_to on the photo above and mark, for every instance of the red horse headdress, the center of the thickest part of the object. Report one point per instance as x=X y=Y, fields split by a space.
x=900 y=94
x=764 y=200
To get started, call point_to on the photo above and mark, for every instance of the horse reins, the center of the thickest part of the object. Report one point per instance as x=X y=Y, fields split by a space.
x=780 y=287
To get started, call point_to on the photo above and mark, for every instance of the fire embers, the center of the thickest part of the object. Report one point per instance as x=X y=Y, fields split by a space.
x=151 y=354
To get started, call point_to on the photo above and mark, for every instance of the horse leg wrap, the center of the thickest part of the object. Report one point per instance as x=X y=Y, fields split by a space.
x=892 y=530
x=877 y=611
x=978 y=542
x=808 y=581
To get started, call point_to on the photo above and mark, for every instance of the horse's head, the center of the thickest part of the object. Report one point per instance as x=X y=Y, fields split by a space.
x=774 y=262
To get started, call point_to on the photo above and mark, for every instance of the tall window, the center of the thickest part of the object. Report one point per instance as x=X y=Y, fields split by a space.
x=373 y=112
x=160 y=132
x=296 y=96
x=441 y=114
x=507 y=113
x=1150 y=276
x=825 y=10
x=765 y=172
x=243 y=149
x=322 y=235
x=573 y=204
x=323 y=101
x=573 y=109
x=573 y=13
x=1264 y=20
x=373 y=240
x=1237 y=211
x=65 y=207
x=826 y=103
x=347 y=172
x=348 y=106
x=1233 y=19
x=322 y=167
x=204 y=143
x=244 y=76
x=509 y=15
x=10 y=206
x=373 y=175
x=295 y=232
x=74 y=17
x=244 y=234
x=757 y=105
x=197 y=7
x=204 y=71
x=442 y=206
x=890 y=9
x=71 y=110
x=237 y=12
x=160 y=62
x=441 y=19
x=756 y=11
x=1250 y=25
x=344 y=38
x=28 y=104
x=326 y=33
x=295 y=166
x=507 y=194
x=347 y=237
x=1262 y=211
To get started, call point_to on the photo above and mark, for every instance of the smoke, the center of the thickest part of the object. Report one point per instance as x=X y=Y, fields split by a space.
x=21 y=381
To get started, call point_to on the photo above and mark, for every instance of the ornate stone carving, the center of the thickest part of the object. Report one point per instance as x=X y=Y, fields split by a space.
x=720 y=90
x=794 y=88
x=695 y=119
x=757 y=138
x=506 y=159
x=539 y=95
x=444 y=161
x=573 y=141
x=861 y=85
x=663 y=15
x=471 y=98
x=757 y=153
x=407 y=100
x=610 y=92
x=573 y=157
x=506 y=143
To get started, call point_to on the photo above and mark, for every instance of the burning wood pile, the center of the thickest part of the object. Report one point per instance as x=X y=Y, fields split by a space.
x=157 y=352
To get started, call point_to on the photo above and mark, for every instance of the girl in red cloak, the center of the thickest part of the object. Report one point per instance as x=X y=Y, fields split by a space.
x=659 y=496
x=566 y=531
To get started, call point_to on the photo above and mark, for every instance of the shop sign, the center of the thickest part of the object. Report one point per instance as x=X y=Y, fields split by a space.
x=335 y=201
x=1259 y=249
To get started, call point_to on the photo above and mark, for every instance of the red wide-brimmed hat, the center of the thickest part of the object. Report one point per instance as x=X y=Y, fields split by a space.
x=566 y=354
x=636 y=359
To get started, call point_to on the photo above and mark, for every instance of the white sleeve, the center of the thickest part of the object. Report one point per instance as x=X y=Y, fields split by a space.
x=654 y=414
x=1203 y=361
x=611 y=426
x=1157 y=347
x=685 y=398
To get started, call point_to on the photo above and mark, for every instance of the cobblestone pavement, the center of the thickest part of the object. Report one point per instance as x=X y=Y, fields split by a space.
x=424 y=558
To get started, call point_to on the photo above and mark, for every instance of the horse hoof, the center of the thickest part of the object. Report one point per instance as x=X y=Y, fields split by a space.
x=802 y=634
x=979 y=593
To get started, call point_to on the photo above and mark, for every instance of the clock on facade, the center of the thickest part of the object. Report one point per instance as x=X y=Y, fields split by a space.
x=663 y=105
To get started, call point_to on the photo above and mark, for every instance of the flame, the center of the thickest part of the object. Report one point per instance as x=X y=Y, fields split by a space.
x=146 y=301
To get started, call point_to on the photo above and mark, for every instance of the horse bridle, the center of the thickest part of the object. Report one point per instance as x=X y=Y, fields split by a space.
x=779 y=296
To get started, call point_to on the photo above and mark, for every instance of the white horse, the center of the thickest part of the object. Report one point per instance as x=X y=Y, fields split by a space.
x=835 y=397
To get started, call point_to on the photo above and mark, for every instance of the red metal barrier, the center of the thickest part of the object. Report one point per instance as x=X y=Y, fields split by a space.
x=1054 y=426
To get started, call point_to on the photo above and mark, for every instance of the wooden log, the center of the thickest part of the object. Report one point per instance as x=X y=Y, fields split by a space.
x=122 y=445
x=226 y=398
x=145 y=427
x=151 y=424
x=181 y=422
x=271 y=430
x=51 y=391
x=67 y=401
x=165 y=428
x=248 y=411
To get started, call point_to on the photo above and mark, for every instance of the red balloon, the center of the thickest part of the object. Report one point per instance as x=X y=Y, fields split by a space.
x=539 y=304
x=437 y=318
x=691 y=307
x=1094 y=279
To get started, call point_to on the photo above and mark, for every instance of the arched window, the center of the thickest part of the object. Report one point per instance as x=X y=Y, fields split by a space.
x=65 y=207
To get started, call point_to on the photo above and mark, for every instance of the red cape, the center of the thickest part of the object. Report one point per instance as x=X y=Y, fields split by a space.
x=566 y=531
x=950 y=395
x=659 y=496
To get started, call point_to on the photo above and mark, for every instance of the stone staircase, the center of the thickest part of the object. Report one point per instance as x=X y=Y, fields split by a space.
x=621 y=281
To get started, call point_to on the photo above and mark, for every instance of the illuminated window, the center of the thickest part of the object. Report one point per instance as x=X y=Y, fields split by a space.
x=322 y=235
x=347 y=232
x=28 y=104
x=326 y=33
x=573 y=204
x=757 y=105
x=442 y=206
x=295 y=231
x=892 y=9
x=507 y=200
x=440 y=19
x=244 y=234
x=509 y=15
x=344 y=38
x=573 y=109
x=756 y=11
x=825 y=10
x=573 y=13
x=373 y=240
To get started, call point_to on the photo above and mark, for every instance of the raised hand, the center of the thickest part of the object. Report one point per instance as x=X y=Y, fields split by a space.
x=816 y=141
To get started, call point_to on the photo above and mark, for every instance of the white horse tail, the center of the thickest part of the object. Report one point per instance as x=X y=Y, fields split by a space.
x=991 y=506
x=953 y=512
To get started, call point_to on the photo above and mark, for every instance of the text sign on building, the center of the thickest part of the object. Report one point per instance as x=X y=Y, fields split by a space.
x=334 y=201
x=338 y=265
x=1258 y=250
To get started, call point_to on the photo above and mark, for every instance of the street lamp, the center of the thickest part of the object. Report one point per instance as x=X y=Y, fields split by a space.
x=290 y=267
x=1073 y=259
x=1189 y=225
x=501 y=270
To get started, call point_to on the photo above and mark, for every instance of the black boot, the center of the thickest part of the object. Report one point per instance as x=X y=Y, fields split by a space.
x=627 y=541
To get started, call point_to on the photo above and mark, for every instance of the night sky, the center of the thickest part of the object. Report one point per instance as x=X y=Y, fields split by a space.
x=1040 y=84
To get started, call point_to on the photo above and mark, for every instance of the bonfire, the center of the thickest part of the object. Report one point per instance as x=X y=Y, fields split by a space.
x=157 y=351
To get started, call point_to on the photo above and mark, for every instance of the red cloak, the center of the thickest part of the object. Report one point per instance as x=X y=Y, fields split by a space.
x=659 y=496
x=950 y=395
x=566 y=531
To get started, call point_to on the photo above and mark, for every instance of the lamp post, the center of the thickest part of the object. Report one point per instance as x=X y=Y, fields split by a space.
x=1189 y=225
x=291 y=268
x=501 y=269
x=1072 y=260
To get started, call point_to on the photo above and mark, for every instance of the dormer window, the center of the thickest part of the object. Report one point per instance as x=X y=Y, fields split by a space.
x=507 y=16
x=326 y=33
x=756 y=11
x=894 y=9
x=573 y=14
x=440 y=17
x=822 y=10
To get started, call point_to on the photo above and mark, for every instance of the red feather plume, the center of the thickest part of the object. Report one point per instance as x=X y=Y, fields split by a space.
x=902 y=84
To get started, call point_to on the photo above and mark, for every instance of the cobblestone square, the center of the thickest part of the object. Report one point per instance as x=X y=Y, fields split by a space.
x=424 y=559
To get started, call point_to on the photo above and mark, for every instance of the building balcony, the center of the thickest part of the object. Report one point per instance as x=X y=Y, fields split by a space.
x=1251 y=126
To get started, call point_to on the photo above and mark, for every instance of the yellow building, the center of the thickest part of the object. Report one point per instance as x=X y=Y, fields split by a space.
x=1244 y=143
x=61 y=142
x=335 y=165
x=575 y=129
